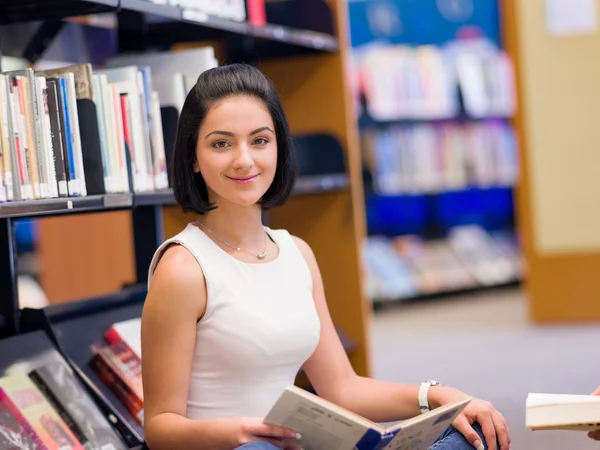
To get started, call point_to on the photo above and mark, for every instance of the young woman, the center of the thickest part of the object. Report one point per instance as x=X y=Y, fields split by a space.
x=235 y=309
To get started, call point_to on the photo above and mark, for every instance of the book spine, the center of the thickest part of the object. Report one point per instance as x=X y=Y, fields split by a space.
x=26 y=92
x=5 y=138
x=72 y=181
x=27 y=191
x=59 y=407
x=75 y=131
x=16 y=413
x=56 y=134
x=113 y=378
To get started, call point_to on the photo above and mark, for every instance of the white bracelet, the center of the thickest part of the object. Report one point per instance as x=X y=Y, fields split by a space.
x=424 y=393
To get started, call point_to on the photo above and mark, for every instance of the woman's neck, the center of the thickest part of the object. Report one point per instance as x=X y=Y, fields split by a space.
x=238 y=226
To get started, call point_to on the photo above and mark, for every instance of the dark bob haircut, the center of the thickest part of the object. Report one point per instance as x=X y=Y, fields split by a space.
x=212 y=85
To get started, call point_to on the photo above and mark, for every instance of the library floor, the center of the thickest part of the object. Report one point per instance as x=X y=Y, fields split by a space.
x=483 y=345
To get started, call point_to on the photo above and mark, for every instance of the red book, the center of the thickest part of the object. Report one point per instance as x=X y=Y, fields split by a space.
x=257 y=13
x=127 y=331
x=120 y=368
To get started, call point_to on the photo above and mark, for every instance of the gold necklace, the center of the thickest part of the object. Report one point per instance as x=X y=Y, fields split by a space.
x=262 y=255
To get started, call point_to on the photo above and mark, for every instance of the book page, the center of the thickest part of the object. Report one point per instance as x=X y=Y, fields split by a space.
x=422 y=431
x=534 y=400
x=320 y=427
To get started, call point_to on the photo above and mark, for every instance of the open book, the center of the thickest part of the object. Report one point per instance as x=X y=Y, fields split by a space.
x=324 y=425
x=563 y=412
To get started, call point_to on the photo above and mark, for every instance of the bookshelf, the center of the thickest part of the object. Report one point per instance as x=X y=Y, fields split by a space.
x=95 y=250
x=438 y=147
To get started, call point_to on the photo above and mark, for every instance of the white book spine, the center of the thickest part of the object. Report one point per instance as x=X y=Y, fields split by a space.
x=46 y=152
x=98 y=101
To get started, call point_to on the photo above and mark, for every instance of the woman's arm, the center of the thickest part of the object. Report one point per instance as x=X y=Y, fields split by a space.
x=176 y=299
x=334 y=379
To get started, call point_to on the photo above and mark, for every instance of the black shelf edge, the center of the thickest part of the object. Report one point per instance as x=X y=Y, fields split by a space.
x=165 y=197
x=366 y=121
x=64 y=205
x=33 y=10
x=303 y=38
x=316 y=184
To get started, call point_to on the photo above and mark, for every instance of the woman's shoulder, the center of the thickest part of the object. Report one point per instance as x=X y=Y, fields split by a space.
x=177 y=265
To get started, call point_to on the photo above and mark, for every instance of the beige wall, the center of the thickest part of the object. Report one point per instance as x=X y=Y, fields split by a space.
x=560 y=79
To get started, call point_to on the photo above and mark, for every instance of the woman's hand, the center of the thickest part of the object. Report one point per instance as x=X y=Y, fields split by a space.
x=493 y=424
x=250 y=429
x=595 y=434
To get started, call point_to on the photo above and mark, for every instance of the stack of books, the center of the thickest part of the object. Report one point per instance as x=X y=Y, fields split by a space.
x=117 y=361
x=468 y=257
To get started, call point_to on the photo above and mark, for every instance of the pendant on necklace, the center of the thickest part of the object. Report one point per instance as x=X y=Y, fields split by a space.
x=262 y=255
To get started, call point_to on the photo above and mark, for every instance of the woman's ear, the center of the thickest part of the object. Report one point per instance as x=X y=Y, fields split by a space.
x=196 y=167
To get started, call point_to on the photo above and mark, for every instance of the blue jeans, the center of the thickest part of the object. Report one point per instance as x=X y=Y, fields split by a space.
x=451 y=439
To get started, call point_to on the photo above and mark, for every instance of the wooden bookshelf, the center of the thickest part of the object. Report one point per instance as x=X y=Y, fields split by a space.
x=316 y=97
x=559 y=191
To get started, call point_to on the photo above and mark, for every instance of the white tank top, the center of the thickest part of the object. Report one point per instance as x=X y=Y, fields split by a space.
x=259 y=327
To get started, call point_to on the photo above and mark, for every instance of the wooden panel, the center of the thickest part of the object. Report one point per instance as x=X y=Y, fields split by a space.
x=316 y=97
x=175 y=220
x=559 y=288
x=86 y=255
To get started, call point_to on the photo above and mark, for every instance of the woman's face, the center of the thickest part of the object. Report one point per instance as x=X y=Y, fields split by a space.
x=236 y=151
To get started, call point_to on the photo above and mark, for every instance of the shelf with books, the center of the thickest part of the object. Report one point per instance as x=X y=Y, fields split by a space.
x=314 y=81
x=177 y=24
x=271 y=32
x=77 y=330
x=31 y=361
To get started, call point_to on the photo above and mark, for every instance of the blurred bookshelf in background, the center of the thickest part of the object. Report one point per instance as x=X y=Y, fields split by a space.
x=435 y=94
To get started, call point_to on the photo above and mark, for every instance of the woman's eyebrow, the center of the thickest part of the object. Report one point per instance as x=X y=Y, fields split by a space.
x=258 y=130
x=224 y=133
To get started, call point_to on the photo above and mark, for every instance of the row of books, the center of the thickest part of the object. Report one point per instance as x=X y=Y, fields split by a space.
x=468 y=257
x=227 y=9
x=428 y=158
x=47 y=409
x=73 y=131
x=423 y=82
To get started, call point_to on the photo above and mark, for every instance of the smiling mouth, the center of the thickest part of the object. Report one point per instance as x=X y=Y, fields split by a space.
x=244 y=179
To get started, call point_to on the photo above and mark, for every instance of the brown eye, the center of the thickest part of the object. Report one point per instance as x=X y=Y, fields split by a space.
x=221 y=144
x=260 y=141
